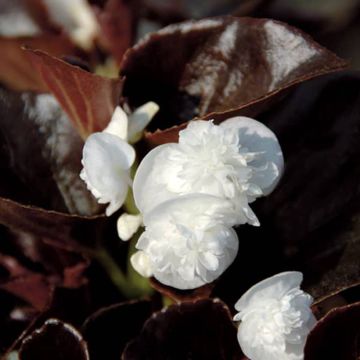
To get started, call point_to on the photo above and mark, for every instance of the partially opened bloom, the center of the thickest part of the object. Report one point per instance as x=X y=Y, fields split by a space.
x=107 y=160
x=188 y=241
x=107 y=157
x=239 y=160
x=275 y=318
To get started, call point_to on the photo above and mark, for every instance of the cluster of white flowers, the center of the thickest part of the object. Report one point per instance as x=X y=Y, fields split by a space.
x=276 y=318
x=193 y=192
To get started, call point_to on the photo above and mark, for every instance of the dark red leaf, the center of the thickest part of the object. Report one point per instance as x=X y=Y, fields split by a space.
x=336 y=335
x=198 y=330
x=215 y=67
x=15 y=317
x=88 y=99
x=69 y=232
x=35 y=289
x=108 y=330
x=342 y=297
x=54 y=340
x=41 y=155
x=16 y=71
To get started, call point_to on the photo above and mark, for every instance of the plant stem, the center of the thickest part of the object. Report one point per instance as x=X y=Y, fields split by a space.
x=115 y=273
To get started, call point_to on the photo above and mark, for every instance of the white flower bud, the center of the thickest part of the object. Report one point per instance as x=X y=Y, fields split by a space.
x=275 y=318
x=128 y=225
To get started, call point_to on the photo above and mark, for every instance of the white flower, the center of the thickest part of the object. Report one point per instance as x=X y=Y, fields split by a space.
x=275 y=318
x=77 y=18
x=188 y=241
x=107 y=159
x=239 y=160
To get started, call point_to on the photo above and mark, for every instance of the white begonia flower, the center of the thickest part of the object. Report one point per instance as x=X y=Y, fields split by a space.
x=240 y=160
x=107 y=159
x=275 y=318
x=77 y=18
x=187 y=241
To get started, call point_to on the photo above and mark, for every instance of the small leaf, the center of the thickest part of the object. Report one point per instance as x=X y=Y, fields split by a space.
x=198 y=330
x=88 y=99
x=54 y=340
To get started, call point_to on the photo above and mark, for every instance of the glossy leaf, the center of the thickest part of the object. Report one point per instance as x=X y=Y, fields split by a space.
x=88 y=99
x=40 y=171
x=16 y=71
x=108 y=330
x=54 y=340
x=336 y=335
x=198 y=330
x=342 y=297
x=214 y=67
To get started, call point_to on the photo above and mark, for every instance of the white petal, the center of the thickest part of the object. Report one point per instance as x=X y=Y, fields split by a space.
x=142 y=264
x=118 y=124
x=139 y=119
x=128 y=225
x=107 y=160
x=258 y=138
x=195 y=210
x=147 y=191
x=271 y=288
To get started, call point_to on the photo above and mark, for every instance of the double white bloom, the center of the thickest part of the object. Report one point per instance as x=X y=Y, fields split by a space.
x=192 y=192
x=275 y=318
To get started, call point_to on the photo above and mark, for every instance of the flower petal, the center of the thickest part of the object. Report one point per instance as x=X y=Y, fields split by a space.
x=118 y=124
x=258 y=138
x=147 y=191
x=139 y=119
x=142 y=264
x=273 y=287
